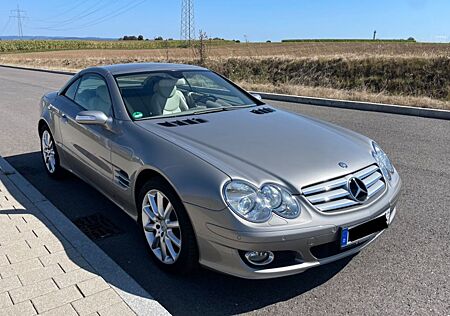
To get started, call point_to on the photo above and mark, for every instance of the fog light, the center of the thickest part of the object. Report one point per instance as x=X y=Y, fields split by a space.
x=259 y=258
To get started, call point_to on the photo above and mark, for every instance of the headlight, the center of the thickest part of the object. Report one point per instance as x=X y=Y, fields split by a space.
x=256 y=205
x=272 y=196
x=383 y=161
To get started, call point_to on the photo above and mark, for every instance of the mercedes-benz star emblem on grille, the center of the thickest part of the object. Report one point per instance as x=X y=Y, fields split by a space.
x=343 y=165
x=357 y=189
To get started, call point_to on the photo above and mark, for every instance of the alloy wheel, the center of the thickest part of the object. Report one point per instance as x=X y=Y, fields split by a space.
x=48 y=151
x=161 y=227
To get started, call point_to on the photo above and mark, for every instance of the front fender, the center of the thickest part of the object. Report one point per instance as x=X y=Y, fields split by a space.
x=195 y=180
x=48 y=117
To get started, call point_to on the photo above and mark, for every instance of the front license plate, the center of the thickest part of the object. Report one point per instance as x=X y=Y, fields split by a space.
x=354 y=234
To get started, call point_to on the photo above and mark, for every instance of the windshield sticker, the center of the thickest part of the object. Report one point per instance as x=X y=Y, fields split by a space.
x=138 y=115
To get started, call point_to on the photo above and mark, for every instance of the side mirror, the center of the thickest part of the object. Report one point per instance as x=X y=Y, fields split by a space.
x=92 y=118
x=256 y=96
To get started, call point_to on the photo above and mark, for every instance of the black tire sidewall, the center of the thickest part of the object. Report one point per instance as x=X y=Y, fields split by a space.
x=188 y=259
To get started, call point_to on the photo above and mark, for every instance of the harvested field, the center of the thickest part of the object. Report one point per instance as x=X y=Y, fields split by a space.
x=404 y=73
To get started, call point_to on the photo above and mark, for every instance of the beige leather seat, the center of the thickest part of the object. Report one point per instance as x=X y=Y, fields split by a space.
x=168 y=98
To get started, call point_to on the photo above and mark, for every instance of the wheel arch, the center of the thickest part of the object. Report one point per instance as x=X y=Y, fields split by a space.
x=145 y=175
x=41 y=125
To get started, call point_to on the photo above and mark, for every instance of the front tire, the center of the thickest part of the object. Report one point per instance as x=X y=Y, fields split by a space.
x=167 y=228
x=50 y=155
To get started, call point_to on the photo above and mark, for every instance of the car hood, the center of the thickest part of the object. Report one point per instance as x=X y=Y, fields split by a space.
x=280 y=146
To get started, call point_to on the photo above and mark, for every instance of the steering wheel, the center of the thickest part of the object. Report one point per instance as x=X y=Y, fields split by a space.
x=204 y=98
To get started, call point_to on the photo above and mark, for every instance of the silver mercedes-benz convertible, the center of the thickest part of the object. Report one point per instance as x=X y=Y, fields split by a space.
x=213 y=175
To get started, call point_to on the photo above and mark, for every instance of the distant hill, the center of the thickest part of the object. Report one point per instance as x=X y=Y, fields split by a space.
x=66 y=38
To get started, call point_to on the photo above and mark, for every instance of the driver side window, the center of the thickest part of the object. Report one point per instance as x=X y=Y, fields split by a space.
x=93 y=94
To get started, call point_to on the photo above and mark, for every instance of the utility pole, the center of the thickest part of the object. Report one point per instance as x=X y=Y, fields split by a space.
x=187 y=21
x=19 y=15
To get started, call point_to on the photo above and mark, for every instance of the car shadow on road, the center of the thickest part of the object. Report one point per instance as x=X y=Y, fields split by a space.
x=204 y=292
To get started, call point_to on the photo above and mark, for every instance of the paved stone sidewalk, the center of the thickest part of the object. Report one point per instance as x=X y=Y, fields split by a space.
x=48 y=267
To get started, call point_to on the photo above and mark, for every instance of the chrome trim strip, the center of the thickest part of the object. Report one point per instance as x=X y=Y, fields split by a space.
x=365 y=172
x=376 y=188
x=327 y=196
x=336 y=205
x=372 y=179
x=324 y=187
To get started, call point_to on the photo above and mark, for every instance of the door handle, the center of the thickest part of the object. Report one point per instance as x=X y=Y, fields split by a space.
x=64 y=118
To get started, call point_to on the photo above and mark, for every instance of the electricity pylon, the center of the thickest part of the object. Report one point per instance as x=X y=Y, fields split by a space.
x=187 y=21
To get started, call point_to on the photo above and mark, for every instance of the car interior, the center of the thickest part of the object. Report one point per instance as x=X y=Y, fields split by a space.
x=157 y=96
x=164 y=94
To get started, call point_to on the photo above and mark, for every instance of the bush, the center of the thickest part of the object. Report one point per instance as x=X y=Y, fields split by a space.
x=129 y=38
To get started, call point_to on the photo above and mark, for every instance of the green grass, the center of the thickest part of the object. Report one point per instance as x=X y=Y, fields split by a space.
x=55 y=45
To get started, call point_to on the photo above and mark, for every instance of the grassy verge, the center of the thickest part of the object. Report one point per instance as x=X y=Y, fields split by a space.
x=351 y=95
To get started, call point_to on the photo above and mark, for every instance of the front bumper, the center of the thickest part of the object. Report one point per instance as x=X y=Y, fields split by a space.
x=309 y=244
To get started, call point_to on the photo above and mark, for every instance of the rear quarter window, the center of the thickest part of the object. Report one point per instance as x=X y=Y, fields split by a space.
x=72 y=90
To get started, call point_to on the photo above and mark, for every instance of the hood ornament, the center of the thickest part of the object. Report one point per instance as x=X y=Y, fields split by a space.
x=343 y=165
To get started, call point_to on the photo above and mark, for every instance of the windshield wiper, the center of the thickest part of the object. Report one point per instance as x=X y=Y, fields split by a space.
x=221 y=109
x=211 y=110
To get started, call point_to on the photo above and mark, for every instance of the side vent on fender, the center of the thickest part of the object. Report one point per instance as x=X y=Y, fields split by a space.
x=263 y=111
x=122 y=179
x=176 y=123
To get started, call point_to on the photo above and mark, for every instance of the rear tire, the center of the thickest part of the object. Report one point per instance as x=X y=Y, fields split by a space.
x=49 y=154
x=166 y=228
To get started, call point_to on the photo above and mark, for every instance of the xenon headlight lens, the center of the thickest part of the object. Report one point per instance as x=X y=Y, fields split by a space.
x=272 y=195
x=256 y=205
x=289 y=207
x=383 y=161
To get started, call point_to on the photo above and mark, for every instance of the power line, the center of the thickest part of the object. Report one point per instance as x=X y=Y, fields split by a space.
x=187 y=20
x=99 y=6
x=121 y=10
x=5 y=27
x=19 y=15
x=73 y=6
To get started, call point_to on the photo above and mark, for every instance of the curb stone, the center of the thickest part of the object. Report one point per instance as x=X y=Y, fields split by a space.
x=59 y=72
x=358 y=105
x=138 y=299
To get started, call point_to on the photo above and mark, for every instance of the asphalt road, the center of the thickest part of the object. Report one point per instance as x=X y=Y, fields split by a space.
x=407 y=271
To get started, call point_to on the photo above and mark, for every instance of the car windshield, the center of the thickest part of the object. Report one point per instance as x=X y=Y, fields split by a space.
x=175 y=93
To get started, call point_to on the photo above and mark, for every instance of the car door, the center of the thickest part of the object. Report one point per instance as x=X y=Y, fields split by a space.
x=87 y=147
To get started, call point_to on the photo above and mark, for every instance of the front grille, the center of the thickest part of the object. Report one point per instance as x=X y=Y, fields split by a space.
x=334 y=195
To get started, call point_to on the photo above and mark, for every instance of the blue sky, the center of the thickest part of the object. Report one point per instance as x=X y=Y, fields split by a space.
x=259 y=20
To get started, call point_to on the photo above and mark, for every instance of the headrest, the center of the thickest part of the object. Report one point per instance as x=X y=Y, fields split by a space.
x=181 y=82
x=103 y=94
x=166 y=87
